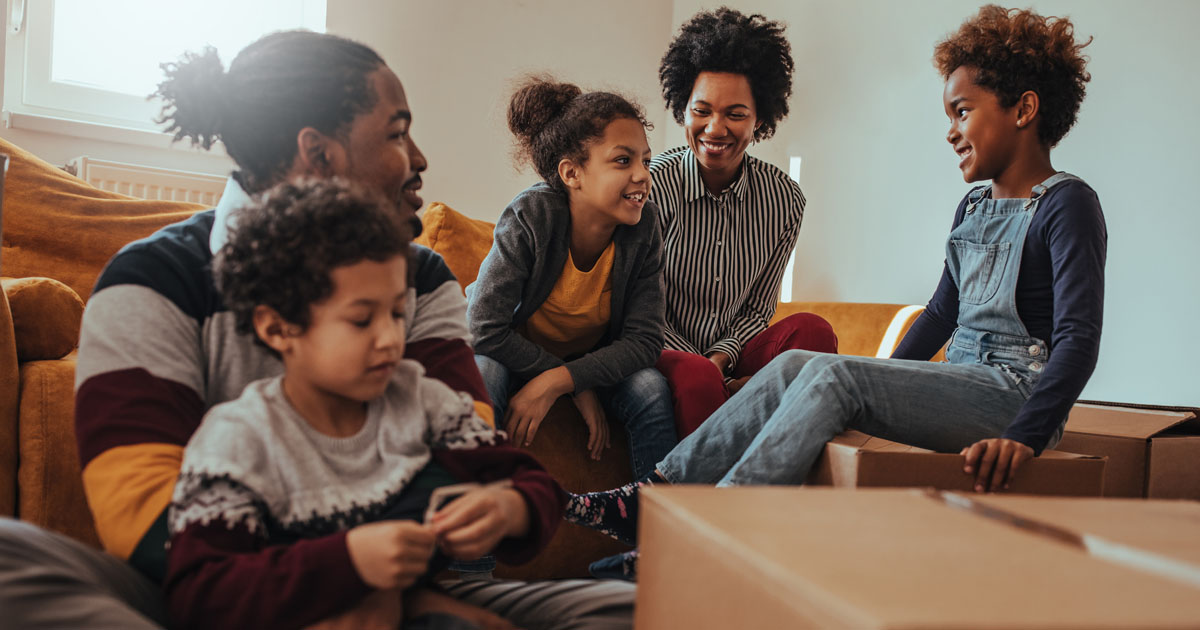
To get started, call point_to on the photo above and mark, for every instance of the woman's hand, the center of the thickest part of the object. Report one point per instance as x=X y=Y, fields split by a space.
x=473 y=524
x=528 y=407
x=597 y=424
x=721 y=360
x=390 y=554
x=994 y=462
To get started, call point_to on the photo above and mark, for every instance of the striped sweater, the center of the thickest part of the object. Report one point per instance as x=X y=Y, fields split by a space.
x=157 y=349
x=724 y=256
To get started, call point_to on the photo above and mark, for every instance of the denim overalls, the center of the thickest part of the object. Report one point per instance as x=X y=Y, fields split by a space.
x=773 y=431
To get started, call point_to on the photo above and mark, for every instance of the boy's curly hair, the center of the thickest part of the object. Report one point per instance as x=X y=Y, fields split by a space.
x=1014 y=51
x=286 y=244
x=726 y=40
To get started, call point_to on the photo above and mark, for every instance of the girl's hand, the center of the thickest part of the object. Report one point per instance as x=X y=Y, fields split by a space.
x=473 y=524
x=390 y=554
x=736 y=385
x=994 y=462
x=597 y=424
x=528 y=407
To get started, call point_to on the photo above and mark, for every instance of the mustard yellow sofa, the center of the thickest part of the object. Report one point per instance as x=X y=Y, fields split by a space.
x=58 y=232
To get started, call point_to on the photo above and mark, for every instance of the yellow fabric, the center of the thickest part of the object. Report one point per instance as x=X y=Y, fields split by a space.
x=127 y=488
x=462 y=241
x=575 y=315
x=59 y=226
x=486 y=412
x=46 y=316
x=9 y=382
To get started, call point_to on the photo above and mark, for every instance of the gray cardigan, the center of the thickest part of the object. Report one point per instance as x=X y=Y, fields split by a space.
x=532 y=240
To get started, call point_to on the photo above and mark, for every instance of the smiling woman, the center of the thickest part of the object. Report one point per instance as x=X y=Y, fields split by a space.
x=730 y=221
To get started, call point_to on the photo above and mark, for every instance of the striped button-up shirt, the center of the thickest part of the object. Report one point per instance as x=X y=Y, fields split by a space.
x=725 y=255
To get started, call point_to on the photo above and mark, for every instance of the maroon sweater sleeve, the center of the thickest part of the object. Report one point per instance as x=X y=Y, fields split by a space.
x=222 y=577
x=544 y=498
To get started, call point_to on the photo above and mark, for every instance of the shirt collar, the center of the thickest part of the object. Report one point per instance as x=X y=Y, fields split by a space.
x=233 y=199
x=693 y=184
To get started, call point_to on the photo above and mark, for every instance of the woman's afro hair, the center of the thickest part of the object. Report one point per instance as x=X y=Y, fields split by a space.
x=726 y=40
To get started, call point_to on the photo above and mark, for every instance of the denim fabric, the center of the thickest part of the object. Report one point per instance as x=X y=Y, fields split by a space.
x=641 y=402
x=774 y=429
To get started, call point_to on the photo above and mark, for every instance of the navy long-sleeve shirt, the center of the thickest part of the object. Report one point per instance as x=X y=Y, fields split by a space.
x=1060 y=299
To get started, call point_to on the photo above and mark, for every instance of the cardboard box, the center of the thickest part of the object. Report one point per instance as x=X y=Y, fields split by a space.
x=776 y=557
x=858 y=460
x=1152 y=451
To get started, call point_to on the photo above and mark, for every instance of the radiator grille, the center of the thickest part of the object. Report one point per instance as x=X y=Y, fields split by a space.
x=149 y=182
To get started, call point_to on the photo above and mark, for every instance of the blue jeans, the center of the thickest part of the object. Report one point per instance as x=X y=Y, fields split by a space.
x=774 y=429
x=642 y=402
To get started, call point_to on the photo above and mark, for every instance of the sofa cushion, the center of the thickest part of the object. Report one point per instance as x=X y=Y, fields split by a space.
x=462 y=241
x=59 y=226
x=46 y=315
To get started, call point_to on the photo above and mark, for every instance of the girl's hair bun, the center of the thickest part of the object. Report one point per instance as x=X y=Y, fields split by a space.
x=538 y=102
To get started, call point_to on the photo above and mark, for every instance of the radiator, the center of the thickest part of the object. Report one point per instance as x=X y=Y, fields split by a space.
x=148 y=182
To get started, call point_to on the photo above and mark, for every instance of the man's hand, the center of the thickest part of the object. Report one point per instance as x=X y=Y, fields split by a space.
x=597 y=424
x=994 y=462
x=528 y=407
x=473 y=524
x=391 y=554
x=424 y=601
x=380 y=610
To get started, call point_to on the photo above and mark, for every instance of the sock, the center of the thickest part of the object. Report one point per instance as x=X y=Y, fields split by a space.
x=613 y=512
x=622 y=566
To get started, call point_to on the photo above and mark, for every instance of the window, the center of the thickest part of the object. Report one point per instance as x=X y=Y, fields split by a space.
x=83 y=63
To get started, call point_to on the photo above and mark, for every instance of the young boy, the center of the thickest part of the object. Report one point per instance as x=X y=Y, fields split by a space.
x=281 y=515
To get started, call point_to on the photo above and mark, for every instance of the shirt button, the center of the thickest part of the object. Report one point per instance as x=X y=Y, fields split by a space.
x=1035 y=366
x=718 y=243
x=718 y=278
x=713 y=315
x=1034 y=350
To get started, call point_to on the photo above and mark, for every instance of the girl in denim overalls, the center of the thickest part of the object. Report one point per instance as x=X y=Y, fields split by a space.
x=1020 y=301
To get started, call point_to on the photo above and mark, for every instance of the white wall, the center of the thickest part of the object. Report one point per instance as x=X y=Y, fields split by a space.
x=867 y=119
x=458 y=60
x=882 y=182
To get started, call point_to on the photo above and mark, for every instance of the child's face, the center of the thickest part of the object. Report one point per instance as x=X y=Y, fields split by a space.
x=356 y=336
x=615 y=180
x=983 y=133
x=720 y=120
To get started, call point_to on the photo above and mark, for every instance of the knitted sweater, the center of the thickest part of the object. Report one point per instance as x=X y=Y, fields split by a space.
x=158 y=348
x=264 y=501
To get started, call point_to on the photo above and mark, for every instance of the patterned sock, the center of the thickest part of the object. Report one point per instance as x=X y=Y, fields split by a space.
x=613 y=512
x=622 y=566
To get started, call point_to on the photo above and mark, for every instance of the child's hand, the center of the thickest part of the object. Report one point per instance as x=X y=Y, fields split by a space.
x=473 y=524
x=597 y=424
x=380 y=610
x=528 y=407
x=391 y=554
x=995 y=462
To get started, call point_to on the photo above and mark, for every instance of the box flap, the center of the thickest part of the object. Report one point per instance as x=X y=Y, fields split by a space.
x=1128 y=422
x=891 y=559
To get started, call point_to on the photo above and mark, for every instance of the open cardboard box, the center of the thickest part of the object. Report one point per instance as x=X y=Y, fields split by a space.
x=857 y=460
x=1152 y=451
x=777 y=557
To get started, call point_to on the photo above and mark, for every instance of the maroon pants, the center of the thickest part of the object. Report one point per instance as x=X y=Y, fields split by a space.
x=698 y=387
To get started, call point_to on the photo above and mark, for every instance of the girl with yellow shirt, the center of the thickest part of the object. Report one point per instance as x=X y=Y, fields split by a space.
x=570 y=298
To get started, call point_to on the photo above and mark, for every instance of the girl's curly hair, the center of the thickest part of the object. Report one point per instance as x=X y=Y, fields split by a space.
x=726 y=40
x=1014 y=51
x=553 y=120
x=286 y=244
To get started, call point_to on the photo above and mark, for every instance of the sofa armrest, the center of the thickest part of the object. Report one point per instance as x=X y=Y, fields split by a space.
x=9 y=387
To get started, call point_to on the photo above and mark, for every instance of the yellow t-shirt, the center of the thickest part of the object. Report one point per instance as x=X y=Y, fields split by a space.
x=575 y=316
